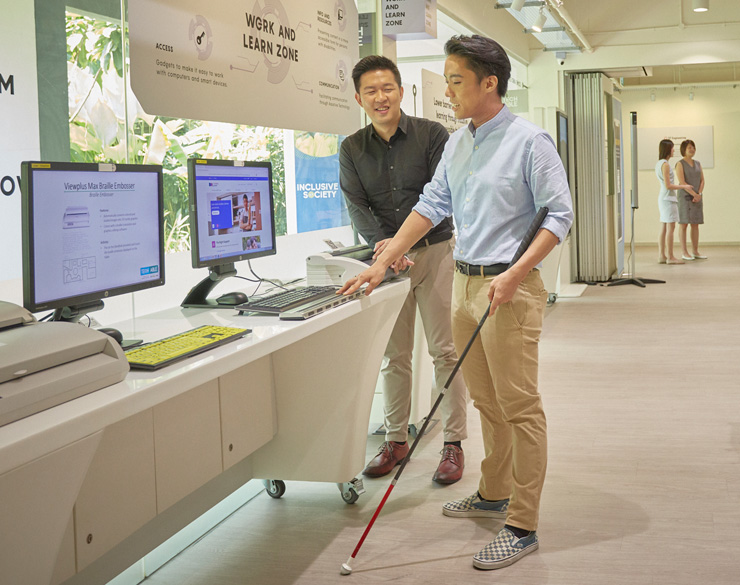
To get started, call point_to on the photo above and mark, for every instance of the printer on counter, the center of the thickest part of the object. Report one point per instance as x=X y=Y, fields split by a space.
x=334 y=268
x=45 y=364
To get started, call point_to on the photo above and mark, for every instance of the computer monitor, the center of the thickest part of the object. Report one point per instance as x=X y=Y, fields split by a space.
x=90 y=231
x=231 y=219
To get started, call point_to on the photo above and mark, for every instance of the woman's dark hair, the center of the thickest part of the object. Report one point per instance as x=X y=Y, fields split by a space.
x=664 y=149
x=685 y=144
x=374 y=63
x=485 y=57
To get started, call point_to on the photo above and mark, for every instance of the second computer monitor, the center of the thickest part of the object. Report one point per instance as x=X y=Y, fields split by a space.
x=231 y=211
x=231 y=219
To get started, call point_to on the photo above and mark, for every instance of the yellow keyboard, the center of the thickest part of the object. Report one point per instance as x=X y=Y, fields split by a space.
x=164 y=352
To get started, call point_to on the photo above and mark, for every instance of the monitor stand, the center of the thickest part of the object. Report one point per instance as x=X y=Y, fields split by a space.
x=73 y=314
x=197 y=298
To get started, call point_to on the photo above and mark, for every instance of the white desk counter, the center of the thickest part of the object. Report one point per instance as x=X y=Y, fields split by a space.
x=128 y=465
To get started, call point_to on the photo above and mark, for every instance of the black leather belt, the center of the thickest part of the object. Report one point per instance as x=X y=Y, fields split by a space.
x=477 y=270
x=433 y=239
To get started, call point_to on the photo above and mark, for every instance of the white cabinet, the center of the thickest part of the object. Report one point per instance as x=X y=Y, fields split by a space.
x=118 y=495
x=187 y=443
x=248 y=418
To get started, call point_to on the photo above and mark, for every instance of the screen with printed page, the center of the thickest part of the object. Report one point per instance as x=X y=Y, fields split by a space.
x=94 y=231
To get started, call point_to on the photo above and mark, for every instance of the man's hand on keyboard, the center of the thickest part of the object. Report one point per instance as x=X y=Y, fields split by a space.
x=372 y=276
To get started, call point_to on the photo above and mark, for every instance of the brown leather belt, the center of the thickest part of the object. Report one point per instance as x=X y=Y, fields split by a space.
x=477 y=270
x=433 y=239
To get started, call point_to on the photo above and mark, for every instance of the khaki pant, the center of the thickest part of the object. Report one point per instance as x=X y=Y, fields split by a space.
x=500 y=371
x=431 y=289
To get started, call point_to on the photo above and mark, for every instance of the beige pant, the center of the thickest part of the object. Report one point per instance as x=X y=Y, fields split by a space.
x=431 y=289
x=501 y=374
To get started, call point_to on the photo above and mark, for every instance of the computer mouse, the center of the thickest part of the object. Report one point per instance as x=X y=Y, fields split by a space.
x=232 y=298
x=114 y=333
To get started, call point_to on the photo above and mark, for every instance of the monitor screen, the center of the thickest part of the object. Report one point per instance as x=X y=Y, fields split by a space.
x=90 y=231
x=231 y=211
x=562 y=144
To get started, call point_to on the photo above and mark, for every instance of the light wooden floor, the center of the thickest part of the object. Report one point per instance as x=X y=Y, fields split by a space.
x=642 y=392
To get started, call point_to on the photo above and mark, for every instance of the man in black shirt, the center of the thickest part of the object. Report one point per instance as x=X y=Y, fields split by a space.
x=383 y=169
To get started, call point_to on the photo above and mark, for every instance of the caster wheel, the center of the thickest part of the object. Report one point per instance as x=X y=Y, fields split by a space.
x=350 y=496
x=275 y=488
x=351 y=490
x=551 y=298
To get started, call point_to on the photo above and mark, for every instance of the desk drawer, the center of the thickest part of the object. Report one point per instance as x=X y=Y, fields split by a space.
x=248 y=417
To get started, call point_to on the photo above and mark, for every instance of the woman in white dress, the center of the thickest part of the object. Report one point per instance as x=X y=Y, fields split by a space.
x=667 y=203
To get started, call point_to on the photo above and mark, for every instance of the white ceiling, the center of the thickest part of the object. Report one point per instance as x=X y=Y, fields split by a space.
x=623 y=23
x=615 y=22
x=633 y=22
x=608 y=25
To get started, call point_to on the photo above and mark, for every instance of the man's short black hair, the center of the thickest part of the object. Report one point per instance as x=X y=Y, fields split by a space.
x=374 y=63
x=485 y=57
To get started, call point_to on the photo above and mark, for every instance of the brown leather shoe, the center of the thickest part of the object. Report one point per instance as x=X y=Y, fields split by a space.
x=389 y=455
x=450 y=468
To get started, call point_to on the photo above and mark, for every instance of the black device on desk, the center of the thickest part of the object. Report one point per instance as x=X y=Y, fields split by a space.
x=114 y=333
x=300 y=303
x=317 y=307
x=232 y=298
x=158 y=354
x=277 y=303
x=361 y=252
x=231 y=219
x=90 y=232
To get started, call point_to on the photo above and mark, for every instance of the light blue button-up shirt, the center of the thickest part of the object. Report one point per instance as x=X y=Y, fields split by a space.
x=492 y=180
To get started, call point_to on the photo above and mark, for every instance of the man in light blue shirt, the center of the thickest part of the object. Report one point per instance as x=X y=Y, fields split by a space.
x=493 y=177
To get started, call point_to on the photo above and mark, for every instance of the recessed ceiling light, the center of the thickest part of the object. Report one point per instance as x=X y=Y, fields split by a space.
x=701 y=5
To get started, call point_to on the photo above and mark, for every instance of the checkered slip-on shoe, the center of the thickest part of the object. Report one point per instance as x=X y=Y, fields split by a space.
x=474 y=507
x=504 y=550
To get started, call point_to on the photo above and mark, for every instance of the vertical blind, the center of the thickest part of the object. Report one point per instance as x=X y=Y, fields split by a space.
x=585 y=103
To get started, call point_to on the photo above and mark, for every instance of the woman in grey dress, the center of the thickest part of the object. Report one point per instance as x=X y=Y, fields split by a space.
x=690 y=202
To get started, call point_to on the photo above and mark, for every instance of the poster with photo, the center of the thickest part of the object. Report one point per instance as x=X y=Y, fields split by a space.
x=319 y=200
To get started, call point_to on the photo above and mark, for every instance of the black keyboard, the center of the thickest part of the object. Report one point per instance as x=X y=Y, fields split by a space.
x=362 y=252
x=351 y=249
x=290 y=299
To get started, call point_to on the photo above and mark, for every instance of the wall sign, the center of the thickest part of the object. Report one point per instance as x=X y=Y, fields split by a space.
x=435 y=105
x=517 y=100
x=276 y=63
x=366 y=24
x=648 y=140
x=19 y=124
x=410 y=19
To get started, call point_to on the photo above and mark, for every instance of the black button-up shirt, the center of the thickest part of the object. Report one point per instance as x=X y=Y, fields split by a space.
x=382 y=181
